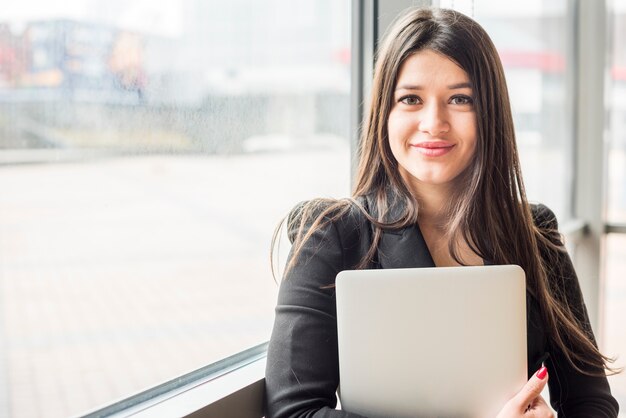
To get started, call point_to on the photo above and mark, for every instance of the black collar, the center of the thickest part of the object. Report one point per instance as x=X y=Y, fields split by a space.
x=401 y=248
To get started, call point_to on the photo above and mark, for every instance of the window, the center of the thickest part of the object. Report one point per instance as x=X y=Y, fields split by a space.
x=147 y=151
x=616 y=98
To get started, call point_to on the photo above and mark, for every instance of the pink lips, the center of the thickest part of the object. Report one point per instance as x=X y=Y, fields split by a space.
x=433 y=148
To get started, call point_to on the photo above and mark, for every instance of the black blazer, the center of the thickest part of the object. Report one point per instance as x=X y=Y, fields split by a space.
x=302 y=373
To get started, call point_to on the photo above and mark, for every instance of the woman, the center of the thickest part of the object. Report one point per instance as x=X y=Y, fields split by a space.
x=439 y=184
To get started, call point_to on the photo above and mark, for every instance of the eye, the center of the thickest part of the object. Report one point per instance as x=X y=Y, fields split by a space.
x=410 y=100
x=461 y=99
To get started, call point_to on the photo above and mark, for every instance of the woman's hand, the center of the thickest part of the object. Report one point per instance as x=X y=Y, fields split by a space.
x=528 y=401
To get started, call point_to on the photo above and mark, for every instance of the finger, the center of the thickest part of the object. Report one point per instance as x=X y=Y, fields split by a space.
x=540 y=409
x=544 y=407
x=532 y=389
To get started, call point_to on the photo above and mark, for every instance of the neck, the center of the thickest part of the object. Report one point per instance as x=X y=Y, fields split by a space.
x=433 y=200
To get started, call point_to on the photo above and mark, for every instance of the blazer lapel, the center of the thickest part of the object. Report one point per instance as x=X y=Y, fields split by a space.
x=404 y=249
x=401 y=248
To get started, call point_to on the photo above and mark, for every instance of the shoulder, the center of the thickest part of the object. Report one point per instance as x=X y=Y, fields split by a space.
x=547 y=226
x=344 y=215
x=543 y=217
x=552 y=250
x=341 y=227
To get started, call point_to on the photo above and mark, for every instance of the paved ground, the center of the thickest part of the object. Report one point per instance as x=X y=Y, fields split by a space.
x=119 y=274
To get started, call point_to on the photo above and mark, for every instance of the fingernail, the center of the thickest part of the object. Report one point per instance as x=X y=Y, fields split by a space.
x=541 y=374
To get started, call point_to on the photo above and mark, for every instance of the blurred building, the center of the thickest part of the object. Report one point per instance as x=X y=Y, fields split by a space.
x=64 y=59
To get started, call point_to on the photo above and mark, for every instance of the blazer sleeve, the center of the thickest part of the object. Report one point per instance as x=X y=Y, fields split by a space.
x=572 y=394
x=302 y=372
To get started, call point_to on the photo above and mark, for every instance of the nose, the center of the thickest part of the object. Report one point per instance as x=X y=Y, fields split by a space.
x=433 y=120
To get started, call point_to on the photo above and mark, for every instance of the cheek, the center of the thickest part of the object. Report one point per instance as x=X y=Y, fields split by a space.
x=470 y=125
x=392 y=125
x=399 y=126
x=470 y=152
x=395 y=135
x=466 y=129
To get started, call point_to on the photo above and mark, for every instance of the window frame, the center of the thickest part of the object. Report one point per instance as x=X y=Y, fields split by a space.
x=208 y=390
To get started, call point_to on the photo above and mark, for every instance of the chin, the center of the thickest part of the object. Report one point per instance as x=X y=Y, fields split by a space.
x=428 y=177
x=435 y=180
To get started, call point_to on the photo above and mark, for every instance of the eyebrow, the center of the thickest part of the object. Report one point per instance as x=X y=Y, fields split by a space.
x=456 y=86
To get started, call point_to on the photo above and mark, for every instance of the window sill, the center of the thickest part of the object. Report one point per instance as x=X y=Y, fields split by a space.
x=232 y=387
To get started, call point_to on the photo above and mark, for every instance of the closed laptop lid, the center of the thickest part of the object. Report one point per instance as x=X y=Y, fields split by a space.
x=431 y=342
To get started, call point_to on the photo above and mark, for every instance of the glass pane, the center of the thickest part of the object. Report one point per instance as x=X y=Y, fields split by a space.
x=616 y=100
x=614 y=300
x=614 y=310
x=532 y=39
x=147 y=151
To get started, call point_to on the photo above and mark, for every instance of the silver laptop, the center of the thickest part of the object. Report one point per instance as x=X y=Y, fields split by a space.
x=431 y=342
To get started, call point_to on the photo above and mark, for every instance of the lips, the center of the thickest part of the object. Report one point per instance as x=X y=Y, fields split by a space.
x=433 y=148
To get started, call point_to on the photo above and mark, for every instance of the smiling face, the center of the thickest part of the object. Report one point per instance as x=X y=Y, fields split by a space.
x=432 y=123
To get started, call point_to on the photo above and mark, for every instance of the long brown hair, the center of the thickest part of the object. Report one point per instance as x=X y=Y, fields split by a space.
x=491 y=206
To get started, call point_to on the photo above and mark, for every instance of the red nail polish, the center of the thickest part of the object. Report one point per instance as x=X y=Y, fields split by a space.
x=541 y=374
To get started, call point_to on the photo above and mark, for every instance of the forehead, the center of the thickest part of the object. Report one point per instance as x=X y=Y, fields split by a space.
x=428 y=66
